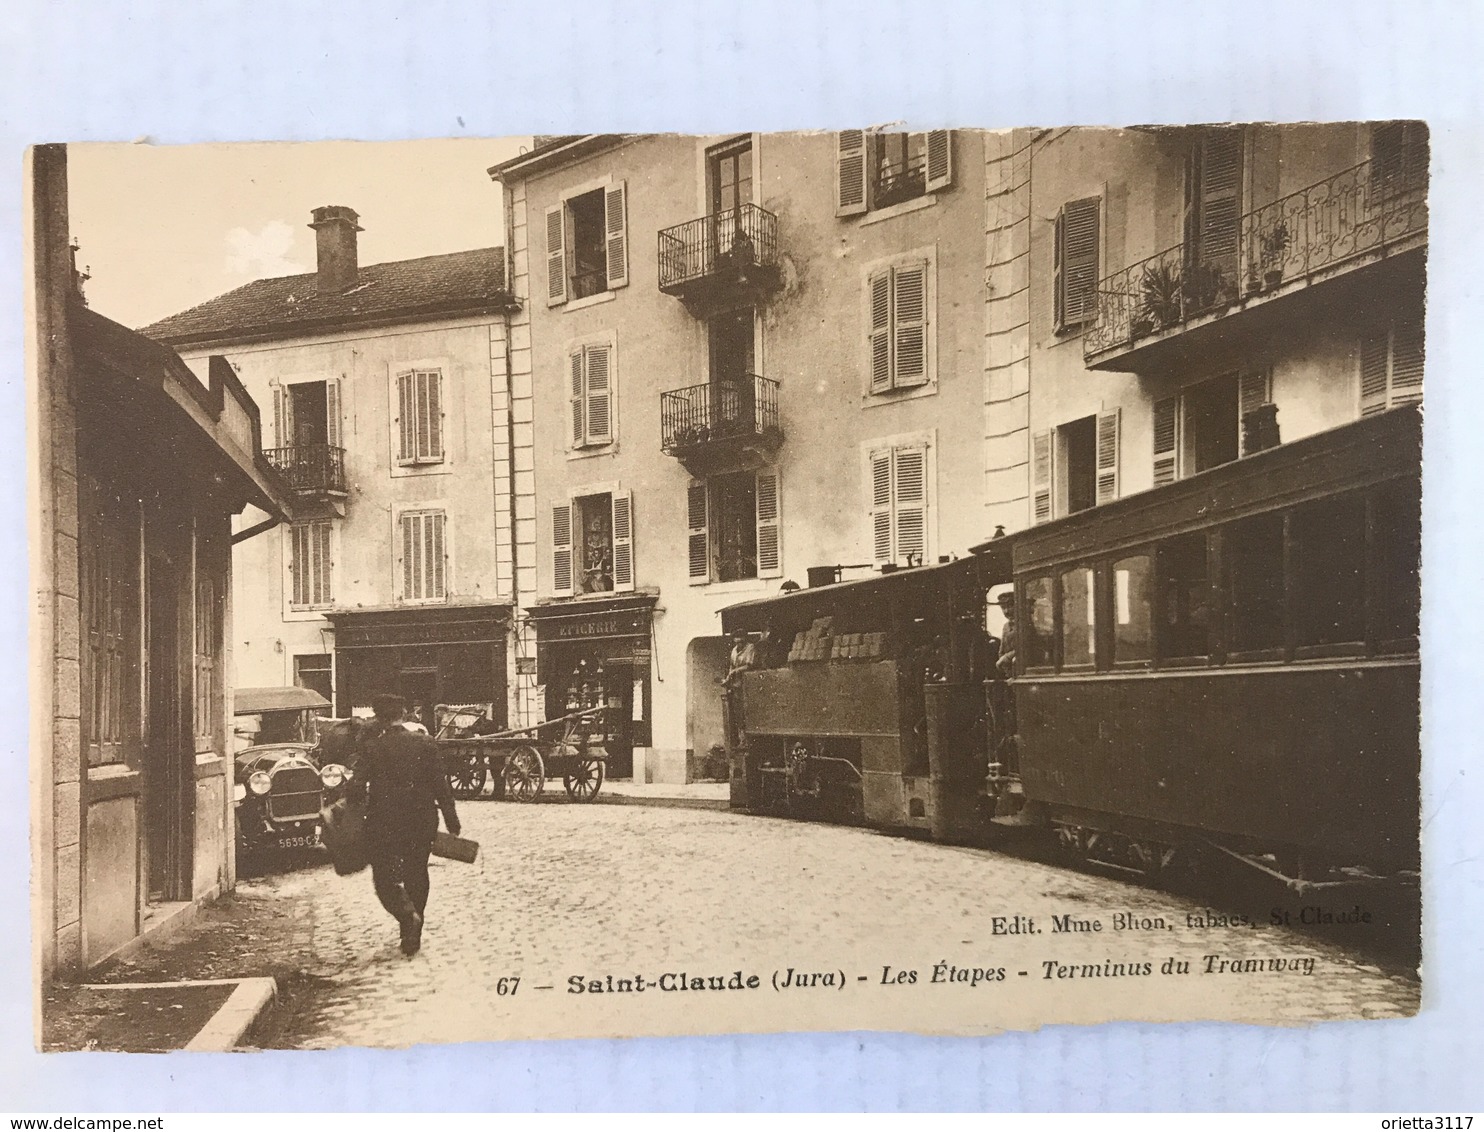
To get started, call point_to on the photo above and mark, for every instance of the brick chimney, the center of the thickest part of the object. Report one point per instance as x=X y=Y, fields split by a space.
x=335 y=231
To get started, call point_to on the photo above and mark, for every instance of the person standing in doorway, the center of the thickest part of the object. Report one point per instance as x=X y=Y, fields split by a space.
x=403 y=785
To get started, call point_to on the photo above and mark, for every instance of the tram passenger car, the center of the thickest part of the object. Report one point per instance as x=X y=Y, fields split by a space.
x=1229 y=664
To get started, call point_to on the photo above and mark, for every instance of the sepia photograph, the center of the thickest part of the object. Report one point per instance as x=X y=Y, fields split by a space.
x=623 y=584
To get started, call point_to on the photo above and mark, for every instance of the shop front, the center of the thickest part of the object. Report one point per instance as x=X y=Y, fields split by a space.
x=429 y=655
x=599 y=653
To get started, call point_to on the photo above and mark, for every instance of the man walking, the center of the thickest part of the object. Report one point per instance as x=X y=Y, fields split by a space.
x=401 y=776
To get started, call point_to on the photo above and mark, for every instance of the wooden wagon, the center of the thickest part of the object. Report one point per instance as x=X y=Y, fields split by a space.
x=516 y=764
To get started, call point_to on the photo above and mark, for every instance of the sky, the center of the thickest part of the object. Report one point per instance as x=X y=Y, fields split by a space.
x=163 y=228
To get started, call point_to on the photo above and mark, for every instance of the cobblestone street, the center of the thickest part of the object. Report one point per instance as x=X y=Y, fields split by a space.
x=874 y=927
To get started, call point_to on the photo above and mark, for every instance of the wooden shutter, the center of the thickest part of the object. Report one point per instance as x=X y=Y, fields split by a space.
x=698 y=548
x=332 y=412
x=412 y=571
x=1406 y=362
x=599 y=394
x=1253 y=392
x=298 y=561
x=1041 y=476
x=430 y=414
x=615 y=230
x=321 y=591
x=556 y=255
x=1107 y=484
x=769 y=550
x=1373 y=374
x=850 y=173
x=938 y=146
x=435 y=545
x=881 y=548
x=623 y=540
x=279 y=431
x=911 y=503
x=1220 y=200
x=1059 y=255
x=406 y=418
x=577 y=366
x=1079 y=238
x=1166 y=441
x=561 y=550
x=880 y=331
x=909 y=326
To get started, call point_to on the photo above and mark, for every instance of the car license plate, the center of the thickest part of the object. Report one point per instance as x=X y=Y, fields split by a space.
x=300 y=841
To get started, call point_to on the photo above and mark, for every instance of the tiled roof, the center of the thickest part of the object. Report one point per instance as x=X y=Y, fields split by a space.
x=406 y=290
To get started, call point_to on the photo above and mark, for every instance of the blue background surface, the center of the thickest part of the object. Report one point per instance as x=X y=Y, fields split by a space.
x=306 y=71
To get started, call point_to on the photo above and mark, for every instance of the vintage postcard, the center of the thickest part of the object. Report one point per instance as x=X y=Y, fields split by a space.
x=604 y=585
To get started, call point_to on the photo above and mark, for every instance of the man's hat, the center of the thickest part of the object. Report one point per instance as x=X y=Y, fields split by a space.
x=1006 y=598
x=388 y=706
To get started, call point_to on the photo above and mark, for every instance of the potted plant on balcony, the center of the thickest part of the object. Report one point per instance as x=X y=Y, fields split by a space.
x=1206 y=286
x=1159 y=306
x=1274 y=245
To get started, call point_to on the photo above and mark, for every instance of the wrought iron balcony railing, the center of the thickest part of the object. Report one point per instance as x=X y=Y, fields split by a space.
x=724 y=410
x=725 y=246
x=1364 y=211
x=310 y=469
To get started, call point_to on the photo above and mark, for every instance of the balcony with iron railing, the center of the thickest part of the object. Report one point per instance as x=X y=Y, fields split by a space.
x=731 y=254
x=1155 y=312
x=727 y=424
x=310 y=470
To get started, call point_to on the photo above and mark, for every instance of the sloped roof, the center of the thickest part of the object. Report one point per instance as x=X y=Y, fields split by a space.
x=406 y=290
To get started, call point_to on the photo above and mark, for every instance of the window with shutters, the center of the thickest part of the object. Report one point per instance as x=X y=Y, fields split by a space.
x=419 y=420
x=898 y=488
x=733 y=523
x=587 y=244
x=1391 y=367
x=1078 y=253
x=878 y=171
x=311 y=567
x=1212 y=423
x=1075 y=466
x=592 y=542
x=899 y=326
x=590 y=395
x=423 y=559
x=1213 y=217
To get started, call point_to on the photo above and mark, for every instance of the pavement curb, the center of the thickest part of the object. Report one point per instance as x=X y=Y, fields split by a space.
x=225 y=1029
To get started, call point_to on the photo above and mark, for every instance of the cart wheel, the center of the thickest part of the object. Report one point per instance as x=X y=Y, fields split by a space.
x=585 y=780
x=525 y=775
x=468 y=778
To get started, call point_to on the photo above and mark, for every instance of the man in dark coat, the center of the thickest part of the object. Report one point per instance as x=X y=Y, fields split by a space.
x=401 y=776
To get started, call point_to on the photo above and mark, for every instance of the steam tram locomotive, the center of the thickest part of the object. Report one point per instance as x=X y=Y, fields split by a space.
x=1222 y=668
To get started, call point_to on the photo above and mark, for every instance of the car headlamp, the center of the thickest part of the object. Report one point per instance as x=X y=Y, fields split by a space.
x=260 y=782
x=332 y=774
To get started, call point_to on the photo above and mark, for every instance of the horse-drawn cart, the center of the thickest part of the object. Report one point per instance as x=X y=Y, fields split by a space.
x=517 y=763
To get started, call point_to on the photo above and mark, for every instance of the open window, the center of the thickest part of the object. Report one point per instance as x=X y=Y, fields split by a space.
x=1038 y=647
x=587 y=245
x=876 y=170
x=593 y=544
x=734 y=527
x=1133 y=639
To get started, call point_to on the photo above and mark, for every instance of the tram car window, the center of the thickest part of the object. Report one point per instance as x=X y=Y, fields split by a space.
x=1396 y=551
x=1253 y=552
x=1040 y=624
x=1133 y=640
x=1329 y=572
x=1184 y=588
x=1078 y=618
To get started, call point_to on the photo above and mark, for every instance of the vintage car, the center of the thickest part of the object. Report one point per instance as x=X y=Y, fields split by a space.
x=280 y=787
